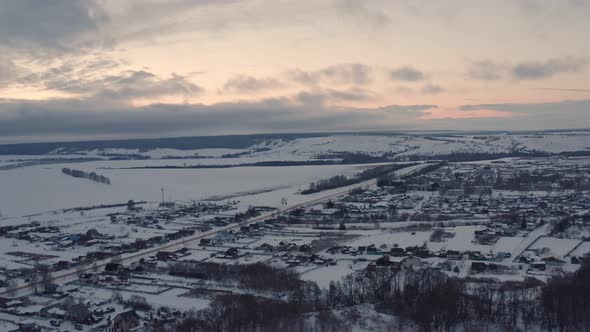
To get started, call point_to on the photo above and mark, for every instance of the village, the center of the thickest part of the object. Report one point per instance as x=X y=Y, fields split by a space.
x=123 y=268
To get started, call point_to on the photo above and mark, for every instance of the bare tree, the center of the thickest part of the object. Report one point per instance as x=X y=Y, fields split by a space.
x=35 y=280
x=11 y=288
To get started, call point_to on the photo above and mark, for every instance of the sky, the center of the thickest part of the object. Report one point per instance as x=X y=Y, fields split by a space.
x=105 y=69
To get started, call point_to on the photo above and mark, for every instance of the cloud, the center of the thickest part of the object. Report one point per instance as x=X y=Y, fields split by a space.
x=486 y=70
x=320 y=98
x=524 y=116
x=530 y=70
x=407 y=108
x=432 y=89
x=85 y=118
x=87 y=79
x=559 y=108
x=9 y=72
x=341 y=74
x=563 y=89
x=143 y=84
x=546 y=69
x=359 y=10
x=407 y=73
x=64 y=74
x=249 y=84
x=51 y=27
x=405 y=90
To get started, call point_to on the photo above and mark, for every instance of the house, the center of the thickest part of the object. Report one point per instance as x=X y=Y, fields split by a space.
x=265 y=247
x=165 y=256
x=52 y=288
x=397 y=252
x=70 y=288
x=226 y=236
x=553 y=262
x=478 y=267
x=455 y=192
x=231 y=253
x=372 y=251
x=411 y=263
x=28 y=327
x=113 y=268
x=61 y=265
x=305 y=247
x=126 y=321
x=542 y=266
x=524 y=259
x=422 y=253
x=78 y=313
x=88 y=278
x=383 y=261
x=454 y=255
x=56 y=312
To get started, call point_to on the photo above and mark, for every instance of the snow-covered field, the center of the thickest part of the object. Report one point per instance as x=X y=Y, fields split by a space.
x=376 y=145
x=32 y=188
x=45 y=188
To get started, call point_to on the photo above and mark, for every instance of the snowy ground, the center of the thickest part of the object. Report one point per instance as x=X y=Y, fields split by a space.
x=424 y=144
x=44 y=188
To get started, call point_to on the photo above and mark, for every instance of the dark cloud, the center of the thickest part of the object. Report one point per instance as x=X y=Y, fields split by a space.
x=407 y=108
x=524 y=116
x=559 y=108
x=320 y=98
x=549 y=68
x=432 y=89
x=486 y=70
x=52 y=26
x=344 y=74
x=531 y=70
x=249 y=84
x=407 y=73
x=84 y=118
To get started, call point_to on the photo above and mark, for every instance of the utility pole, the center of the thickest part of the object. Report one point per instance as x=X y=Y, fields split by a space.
x=162 y=195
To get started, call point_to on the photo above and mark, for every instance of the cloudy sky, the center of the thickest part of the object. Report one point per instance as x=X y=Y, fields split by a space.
x=86 y=69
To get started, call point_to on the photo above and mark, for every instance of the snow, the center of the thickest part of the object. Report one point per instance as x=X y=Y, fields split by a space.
x=44 y=188
x=558 y=247
x=376 y=145
x=162 y=153
x=314 y=146
x=172 y=299
x=323 y=275
x=581 y=250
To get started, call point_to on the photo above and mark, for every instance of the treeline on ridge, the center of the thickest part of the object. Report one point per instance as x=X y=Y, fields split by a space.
x=343 y=181
x=84 y=175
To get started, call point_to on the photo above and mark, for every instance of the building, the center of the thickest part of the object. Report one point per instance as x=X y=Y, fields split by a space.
x=411 y=263
x=126 y=321
x=113 y=267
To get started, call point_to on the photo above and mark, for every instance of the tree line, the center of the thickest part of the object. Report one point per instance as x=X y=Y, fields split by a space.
x=84 y=175
x=343 y=181
x=253 y=276
x=424 y=300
